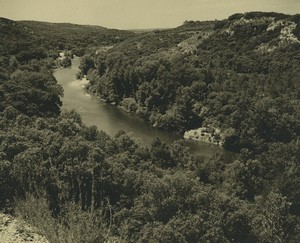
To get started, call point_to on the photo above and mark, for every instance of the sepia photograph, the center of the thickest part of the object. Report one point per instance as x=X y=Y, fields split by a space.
x=160 y=121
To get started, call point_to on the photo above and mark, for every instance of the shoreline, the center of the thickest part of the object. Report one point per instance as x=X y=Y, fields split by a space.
x=208 y=134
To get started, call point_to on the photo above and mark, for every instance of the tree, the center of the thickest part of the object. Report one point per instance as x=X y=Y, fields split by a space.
x=86 y=63
x=33 y=93
x=161 y=155
x=269 y=224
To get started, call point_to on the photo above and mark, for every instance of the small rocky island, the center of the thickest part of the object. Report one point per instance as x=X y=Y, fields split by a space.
x=207 y=134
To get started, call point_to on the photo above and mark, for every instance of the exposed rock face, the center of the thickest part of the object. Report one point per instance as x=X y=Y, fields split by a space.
x=206 y=134
x=285 y=37
x=17 y=231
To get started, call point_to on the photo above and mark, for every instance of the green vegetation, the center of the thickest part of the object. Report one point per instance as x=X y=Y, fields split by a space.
x=77 y=184
x=76 y=38
x=240 y=75
x=32 y=40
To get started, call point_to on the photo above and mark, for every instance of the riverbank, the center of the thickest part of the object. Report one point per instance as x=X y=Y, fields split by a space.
x=111 y=119
x=207 y=134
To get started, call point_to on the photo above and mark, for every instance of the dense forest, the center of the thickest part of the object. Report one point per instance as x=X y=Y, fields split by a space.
x=77 y=184
x=239 y=75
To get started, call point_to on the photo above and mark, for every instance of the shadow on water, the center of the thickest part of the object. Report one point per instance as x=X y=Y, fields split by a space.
x=111 y=119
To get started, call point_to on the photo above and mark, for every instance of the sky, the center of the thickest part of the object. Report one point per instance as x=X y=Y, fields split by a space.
x=137 y=14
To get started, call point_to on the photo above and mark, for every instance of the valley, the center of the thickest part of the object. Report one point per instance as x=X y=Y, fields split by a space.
x=109 y=163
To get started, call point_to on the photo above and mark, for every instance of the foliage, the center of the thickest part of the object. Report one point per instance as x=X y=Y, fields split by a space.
x=242 y=76
x=77 y=184
x=142 y=194
x=74 y=226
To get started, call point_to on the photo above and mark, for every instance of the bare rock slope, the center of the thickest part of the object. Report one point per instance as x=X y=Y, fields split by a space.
x=16 y=231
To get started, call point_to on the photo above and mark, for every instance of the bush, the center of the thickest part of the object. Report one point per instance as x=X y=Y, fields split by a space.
x=74 y=225
x=129 y=104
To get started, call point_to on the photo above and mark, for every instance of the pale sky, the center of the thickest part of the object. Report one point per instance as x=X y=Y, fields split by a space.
x=137 y=14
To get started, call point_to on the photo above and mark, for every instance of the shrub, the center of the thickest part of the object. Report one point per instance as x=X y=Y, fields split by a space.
x=73 y=225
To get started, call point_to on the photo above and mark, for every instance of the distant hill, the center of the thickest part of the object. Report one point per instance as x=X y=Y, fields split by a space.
x=13 y=37
x=94 y=35
x=17 y=36
x=159 y=40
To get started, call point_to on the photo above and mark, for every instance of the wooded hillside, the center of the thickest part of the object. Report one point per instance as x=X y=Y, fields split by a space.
x=240 y=75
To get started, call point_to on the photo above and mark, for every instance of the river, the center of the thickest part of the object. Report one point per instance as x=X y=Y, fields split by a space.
x=111 y=119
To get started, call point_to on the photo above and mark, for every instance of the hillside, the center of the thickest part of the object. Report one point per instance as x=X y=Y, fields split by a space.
x=29 y=40
x=161 y=40
x=72 y=36
x=219 y=76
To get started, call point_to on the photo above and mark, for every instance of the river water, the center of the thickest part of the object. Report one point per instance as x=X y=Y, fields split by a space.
x=111 y=119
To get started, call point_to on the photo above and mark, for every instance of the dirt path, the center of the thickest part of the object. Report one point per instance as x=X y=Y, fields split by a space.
x=16 y=231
